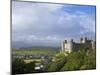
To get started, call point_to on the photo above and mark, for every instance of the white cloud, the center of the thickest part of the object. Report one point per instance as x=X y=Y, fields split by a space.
x=48 y=22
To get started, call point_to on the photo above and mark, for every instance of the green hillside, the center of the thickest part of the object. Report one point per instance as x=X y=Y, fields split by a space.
x=35 y=51
x=79 y=60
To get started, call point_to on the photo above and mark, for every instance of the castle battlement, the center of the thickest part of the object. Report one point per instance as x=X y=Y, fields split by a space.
x=69 y=46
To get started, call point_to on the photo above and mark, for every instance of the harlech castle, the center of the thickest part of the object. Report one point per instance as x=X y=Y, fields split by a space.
x=69 y=46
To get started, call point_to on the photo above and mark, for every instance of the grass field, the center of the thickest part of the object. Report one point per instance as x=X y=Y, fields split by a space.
x=34 y=52
x=31 y=60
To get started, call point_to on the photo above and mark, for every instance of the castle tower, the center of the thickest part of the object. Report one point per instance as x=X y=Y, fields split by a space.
x=67 y=46
x=93 y=44
x=83 y=40
x=62 y=46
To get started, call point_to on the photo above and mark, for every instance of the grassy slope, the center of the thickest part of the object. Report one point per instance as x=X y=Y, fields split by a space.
x=34 y=52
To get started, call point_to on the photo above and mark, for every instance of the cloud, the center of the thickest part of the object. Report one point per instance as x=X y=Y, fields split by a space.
x=42 y=23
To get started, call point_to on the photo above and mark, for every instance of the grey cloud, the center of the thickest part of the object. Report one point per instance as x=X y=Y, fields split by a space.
x=47 y=24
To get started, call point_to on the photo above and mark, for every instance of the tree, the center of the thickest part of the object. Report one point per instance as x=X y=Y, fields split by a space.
x=74 y=61
x=89 y=61
x=60 y=60
x=30 y=67
x=18 y=66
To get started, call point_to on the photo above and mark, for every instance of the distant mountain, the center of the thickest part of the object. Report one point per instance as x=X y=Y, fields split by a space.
x=24 y=44
x=19 y=44
x=42 y=48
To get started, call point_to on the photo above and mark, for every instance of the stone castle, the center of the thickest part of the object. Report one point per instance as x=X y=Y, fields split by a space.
x=69 y=46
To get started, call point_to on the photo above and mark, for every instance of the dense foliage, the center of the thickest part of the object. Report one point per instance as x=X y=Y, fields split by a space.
x=57 y=64
x=20 y=67
x=74 y=61
x=89 y=61
x=79 y=60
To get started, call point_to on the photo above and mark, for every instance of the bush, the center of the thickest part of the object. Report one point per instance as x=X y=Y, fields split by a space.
x=89 y=61
x=20 y=67
x=74 y=61
x=56 y=65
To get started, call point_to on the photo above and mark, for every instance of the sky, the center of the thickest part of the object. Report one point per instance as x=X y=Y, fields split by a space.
x=47 y=24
